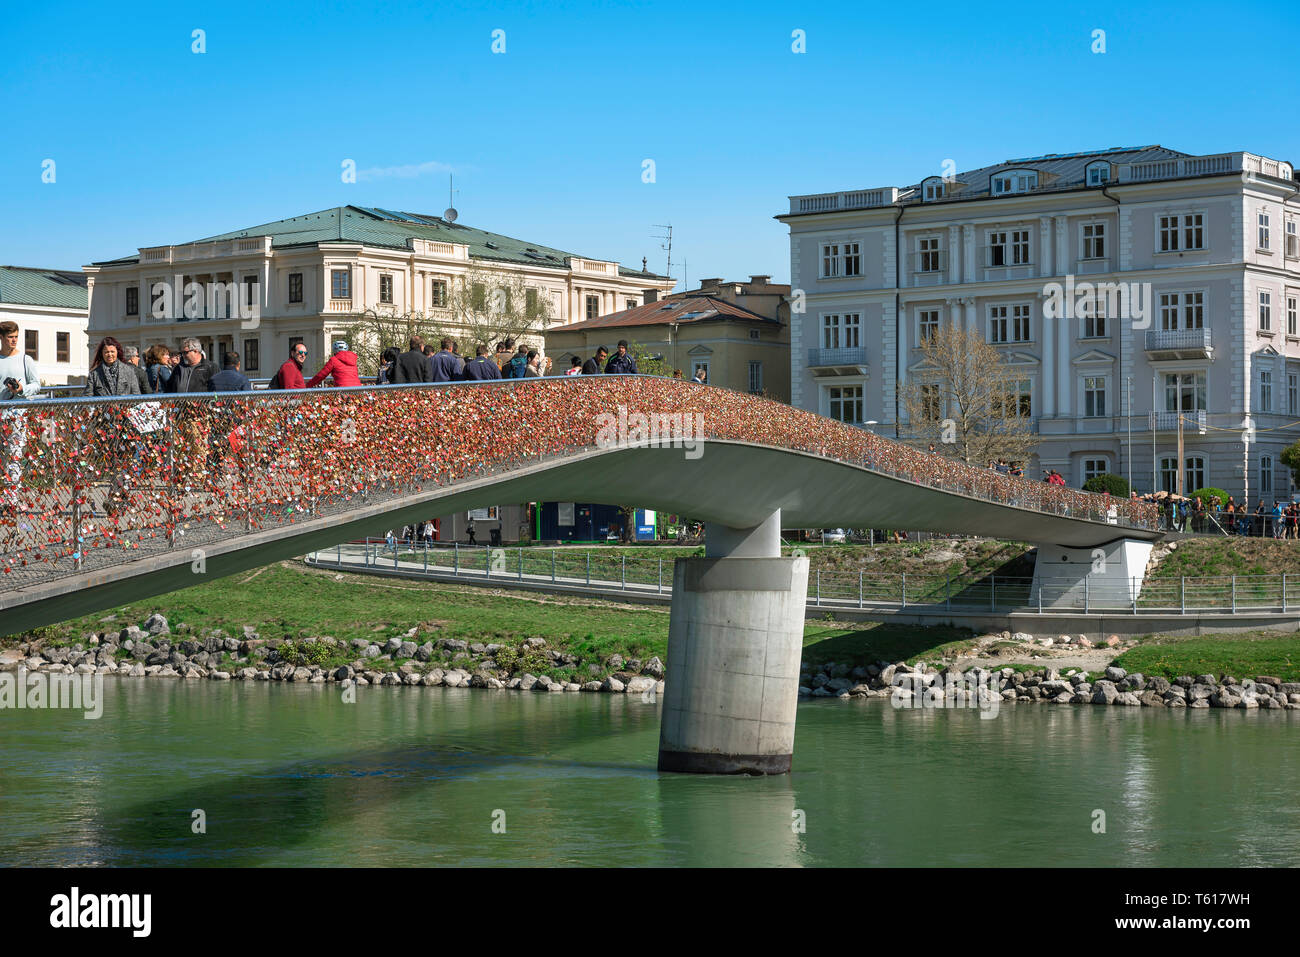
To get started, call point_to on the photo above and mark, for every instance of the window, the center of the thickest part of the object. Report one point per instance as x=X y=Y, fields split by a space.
x=1292 y=393
x=1014 y=181
x=250 y=290
x=31 y=343
x=830 y=260
x=852 y=260
x=932 y=190
x=845 y=403
x=478 y=297
x=928 y=323
x=1265 y=311
x=1094 y=396
x=295 y=287
x=755 y=376
x=340 y=284
x=530 y=303
x=928 y=254
x=931 y=402
x=630 y=303
x=1189 y=305
x=1193 y=475
x=1098 y=173
x=386 y=288
x=1185 y=392
x=251 y=358
x=1094 y=317
x=438 y=293
x=753 y=333
x=1008 y=252
x=1262 y=231
x=593 y=307
x=1265 y=390
x=1009 y=323
x=62 y=350
x=1094 y=467
x=158 y=302
x=1292 y=239
x=1169 y=473
x=699 y=364
x=133 y=300
x=842 y=331
x=1185 y=232
x=1094 y=240
x=1265 y=475
x=1290 y=315
x=1017 y=398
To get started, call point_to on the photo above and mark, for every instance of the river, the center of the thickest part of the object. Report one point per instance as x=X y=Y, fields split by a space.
x=289 y=774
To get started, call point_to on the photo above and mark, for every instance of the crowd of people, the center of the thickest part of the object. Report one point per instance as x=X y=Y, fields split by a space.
x=1181 y=513
x=423 y=363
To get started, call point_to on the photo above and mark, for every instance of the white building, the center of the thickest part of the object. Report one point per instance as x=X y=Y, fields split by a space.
x=310 y=272
x=1212 y=239
x=49 y=306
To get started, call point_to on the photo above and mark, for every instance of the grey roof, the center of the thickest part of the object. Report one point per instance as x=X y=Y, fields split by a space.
x=372 y=226
x=1065 y=169
x=30 y=286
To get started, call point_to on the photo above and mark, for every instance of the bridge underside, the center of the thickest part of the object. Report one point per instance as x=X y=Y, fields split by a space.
x=732 y=484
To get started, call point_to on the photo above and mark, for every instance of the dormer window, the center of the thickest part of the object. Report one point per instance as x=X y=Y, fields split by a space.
x=1098 y=173
x=932 y=189
x=1013 y=181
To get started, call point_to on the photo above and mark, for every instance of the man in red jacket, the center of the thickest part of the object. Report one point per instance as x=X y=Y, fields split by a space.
x=342 y=366
x=290 y=374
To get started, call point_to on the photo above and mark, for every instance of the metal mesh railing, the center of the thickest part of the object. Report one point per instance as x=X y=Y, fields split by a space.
x=95 y=482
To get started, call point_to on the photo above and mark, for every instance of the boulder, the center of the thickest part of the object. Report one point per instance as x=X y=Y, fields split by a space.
x=1115 y=674
x=1127 y=698
x=640 y=684
x=371 y=651
x=612 y=684
x=424 y=652
x=654 y=668
x=526 y=682
x=1158 y=684
x=156 y=624
x=1104 y=692
x=591 y=686
x=1151 y=699
x=406 y=649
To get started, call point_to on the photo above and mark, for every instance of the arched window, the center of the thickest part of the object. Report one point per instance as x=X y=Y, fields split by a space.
x=1097 y=173
x=1013 y=181
x=932 y=189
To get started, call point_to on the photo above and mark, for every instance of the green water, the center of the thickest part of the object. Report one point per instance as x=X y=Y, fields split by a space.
x=288 y=774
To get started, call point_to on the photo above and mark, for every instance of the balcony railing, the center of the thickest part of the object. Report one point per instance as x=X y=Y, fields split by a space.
x=830 y=358
x=1179 y=343
x=1192 y=421
x=831 y=202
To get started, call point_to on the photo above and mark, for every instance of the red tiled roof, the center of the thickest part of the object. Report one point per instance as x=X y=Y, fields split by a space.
x=691 y=309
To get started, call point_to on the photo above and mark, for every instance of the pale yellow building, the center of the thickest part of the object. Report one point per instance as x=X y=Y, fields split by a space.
x=738 y=332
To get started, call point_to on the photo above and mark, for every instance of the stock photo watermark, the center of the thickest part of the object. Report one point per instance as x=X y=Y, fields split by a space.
x=1131 y=301
x=657 y=430
x=974 y=690
x=37 y=691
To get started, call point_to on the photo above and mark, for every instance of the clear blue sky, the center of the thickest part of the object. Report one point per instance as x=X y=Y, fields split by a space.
x=155 y=144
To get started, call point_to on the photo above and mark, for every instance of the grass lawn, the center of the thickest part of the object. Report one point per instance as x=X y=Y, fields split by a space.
x=1241 y=656
x=869 y=642
x=1238 y=555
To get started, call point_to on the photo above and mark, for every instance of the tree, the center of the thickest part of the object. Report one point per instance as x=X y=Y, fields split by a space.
x=370 y=332
x=489 y=306
x=1116 y=485
x=648 y=363
x=1291 y=459
x=967 y=400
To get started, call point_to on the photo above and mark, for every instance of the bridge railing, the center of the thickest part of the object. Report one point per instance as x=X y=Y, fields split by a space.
x=611 y=571
x=93 y=482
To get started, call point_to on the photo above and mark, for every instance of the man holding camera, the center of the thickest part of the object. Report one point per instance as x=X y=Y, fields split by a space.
x=19 y=380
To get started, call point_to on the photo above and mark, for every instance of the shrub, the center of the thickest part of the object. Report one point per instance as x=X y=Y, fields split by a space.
x=517 y=660
x=303 y=653
x=1205 y=494
x=1116 y=485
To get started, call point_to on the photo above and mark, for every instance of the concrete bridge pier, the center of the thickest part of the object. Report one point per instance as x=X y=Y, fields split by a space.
x=1107 y=576
x=735 y=637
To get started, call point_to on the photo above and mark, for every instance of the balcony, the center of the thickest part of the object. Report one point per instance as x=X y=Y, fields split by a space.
x=1179 y=344
x=929 y=268
x=833 y=202
x=851 y=361
x=1007 y=261
x=1192 y=421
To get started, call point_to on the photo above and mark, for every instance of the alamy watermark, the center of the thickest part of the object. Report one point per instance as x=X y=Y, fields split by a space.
x=970 y=690
x=1110 y=300
x=238 y=299
x=41 y=690
x=657 y=430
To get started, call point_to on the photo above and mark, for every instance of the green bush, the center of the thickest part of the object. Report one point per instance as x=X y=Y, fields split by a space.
x=1205 y=494
x=517 y=660
x=303 y=653
x=1116 y=485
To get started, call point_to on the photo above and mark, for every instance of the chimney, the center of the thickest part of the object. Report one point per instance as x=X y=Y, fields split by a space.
x=759 y=280
x=711 y=283
x=649 y=295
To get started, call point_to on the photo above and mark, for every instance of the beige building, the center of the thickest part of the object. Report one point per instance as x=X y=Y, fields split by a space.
x=738 y=332
x=306 y=278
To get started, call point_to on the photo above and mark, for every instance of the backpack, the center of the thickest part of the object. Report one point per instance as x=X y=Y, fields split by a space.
x=517 y=367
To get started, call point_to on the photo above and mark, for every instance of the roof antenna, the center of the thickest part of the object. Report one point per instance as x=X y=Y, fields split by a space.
x=668 y=246
x=450 y=214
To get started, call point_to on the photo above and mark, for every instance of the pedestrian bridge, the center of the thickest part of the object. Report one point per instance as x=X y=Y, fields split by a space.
x=117 y=500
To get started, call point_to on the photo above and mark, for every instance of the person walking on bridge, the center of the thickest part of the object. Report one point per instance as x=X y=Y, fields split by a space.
x=596 y=363
x=481 y=367
x=621 y=363
x=444 y=366
x=289 y=375
x=109 y=375
x=411 y=366
x=342 y=367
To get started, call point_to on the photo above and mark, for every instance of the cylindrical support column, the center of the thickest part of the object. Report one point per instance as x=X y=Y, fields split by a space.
x=735 y=636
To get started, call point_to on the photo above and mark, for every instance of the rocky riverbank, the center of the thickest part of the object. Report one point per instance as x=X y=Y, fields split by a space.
x=152 y=651
x=1048 y=685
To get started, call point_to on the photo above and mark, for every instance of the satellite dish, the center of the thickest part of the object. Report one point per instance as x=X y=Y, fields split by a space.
x=450 y=214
